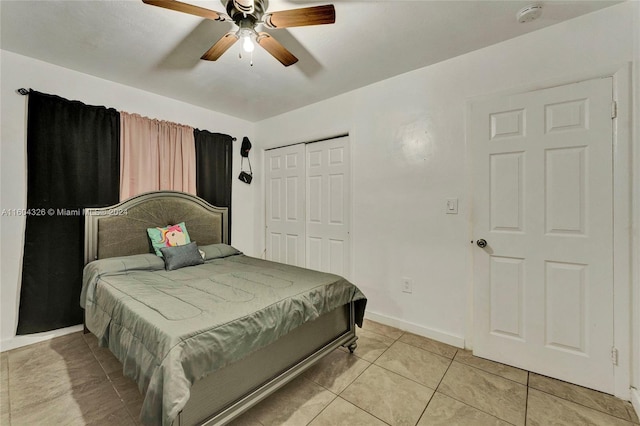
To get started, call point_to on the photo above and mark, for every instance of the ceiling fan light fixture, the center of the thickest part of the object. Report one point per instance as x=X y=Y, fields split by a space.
x=247 y=43
x=247 y=34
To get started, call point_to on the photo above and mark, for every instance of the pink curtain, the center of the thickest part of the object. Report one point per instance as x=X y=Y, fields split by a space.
x=155 y=155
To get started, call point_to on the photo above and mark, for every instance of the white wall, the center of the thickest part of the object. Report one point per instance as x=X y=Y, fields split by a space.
x=19 y=71
x=409 y=155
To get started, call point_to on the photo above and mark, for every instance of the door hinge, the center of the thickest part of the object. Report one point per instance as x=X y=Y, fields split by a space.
x=614 y=109
x=614 y=356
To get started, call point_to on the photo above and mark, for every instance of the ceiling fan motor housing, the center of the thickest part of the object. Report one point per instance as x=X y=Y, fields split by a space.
x=241 y=9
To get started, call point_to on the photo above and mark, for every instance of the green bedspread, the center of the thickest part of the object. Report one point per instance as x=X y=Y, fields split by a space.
x=170 y=329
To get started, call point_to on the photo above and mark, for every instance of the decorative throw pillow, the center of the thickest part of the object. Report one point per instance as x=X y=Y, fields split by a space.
x=170 y=236
x=180 y=256
x=217 y=251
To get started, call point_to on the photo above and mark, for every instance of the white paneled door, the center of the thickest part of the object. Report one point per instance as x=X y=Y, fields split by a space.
x=542 y=201
x=285 y=219
x=328 y=201
x=308 y=205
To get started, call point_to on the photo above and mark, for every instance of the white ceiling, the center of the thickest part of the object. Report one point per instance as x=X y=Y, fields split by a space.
x=158 y=50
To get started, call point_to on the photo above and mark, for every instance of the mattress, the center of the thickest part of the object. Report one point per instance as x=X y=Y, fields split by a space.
x=171 y=328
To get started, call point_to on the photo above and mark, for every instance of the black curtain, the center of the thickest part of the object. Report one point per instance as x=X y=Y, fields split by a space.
x=73 y=162
x=214 y=162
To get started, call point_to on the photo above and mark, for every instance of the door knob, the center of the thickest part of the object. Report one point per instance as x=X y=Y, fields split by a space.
x=481 y=243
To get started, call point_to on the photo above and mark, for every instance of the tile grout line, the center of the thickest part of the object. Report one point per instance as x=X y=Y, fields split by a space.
x=356 y=378
x=448 y=367
x=428 y=338
x=576 y=402
x=526 y=399
x=371 y=414
x=495 y=374
x=123 y=403
x=337 y=395
x=451 y=360
x=478 y=409
x=485 y=371
x=582 y=405
x=408 y=378
x=350 y=403
x=355 y=354
x=349 y=384
x=546 y=392
x=388 y=337
x=8 y=389
x=462 y=402
x=424 y=410
x=323 y=409
x=437 y=386
x=417 y=347
x=430 y=351
x=383 y=352
x=402 y=332
x=362 y=372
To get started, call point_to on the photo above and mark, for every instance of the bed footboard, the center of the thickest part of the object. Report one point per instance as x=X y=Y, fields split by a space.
x=220 y=397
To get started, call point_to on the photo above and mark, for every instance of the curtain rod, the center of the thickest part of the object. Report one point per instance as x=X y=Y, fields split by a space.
x=22 y=91
x=308 y=142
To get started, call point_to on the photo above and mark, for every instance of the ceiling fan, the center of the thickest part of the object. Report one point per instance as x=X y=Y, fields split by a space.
x=247 y=15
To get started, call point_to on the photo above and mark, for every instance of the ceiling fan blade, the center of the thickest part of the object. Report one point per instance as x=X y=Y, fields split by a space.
x=276 y=50
x=190 y=9
x=220 y=47
x=316 y=15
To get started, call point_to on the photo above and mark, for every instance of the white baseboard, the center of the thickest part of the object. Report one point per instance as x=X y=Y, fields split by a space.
x=635 y=400
x=29 y=339
x=441 y=336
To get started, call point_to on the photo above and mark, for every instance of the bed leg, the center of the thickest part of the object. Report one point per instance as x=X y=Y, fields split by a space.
x=351 y=344
x=85 y=330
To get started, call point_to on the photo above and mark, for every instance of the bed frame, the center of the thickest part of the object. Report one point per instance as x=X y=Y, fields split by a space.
x=228 y=392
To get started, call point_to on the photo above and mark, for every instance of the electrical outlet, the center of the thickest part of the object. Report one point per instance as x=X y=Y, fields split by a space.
x=407 y=287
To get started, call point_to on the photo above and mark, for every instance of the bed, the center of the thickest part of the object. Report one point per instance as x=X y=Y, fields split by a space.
x=205 y=342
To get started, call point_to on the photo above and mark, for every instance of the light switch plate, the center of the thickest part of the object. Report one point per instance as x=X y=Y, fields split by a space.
x=452 y=206
x=407 y=286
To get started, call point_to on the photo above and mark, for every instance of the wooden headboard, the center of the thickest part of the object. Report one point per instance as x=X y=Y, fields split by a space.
x=121 y=230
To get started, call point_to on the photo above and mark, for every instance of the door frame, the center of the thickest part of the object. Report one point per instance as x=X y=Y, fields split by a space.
x=622 y=202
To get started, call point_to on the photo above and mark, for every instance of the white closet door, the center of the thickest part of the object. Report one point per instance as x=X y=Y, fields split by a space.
x=308 y=205
x=328 y=204
x=285 y=191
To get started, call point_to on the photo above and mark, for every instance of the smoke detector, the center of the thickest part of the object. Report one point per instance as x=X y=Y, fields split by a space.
x=529 y=13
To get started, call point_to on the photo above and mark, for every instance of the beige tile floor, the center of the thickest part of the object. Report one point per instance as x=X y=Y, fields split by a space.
x=394 y=378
